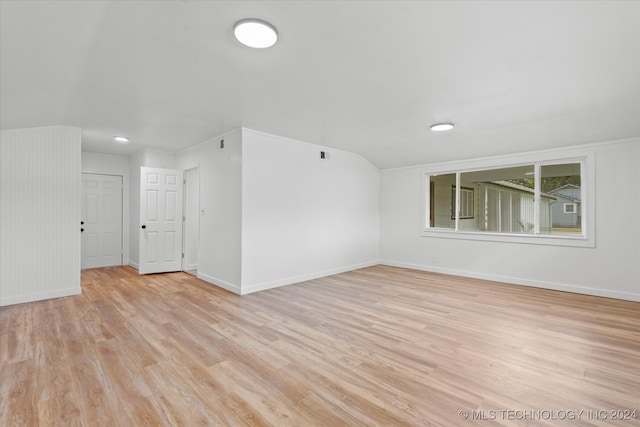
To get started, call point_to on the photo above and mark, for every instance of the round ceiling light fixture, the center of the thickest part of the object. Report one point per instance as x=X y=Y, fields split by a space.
x=121 y=139
x=440 y=127
x=255 y=33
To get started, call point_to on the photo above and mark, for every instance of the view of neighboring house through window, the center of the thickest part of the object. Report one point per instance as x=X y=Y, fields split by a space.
x=509 y=200
x=564 y=184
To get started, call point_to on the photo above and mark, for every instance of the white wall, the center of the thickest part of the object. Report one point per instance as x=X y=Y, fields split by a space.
x=303 y=217
x=611 y=268
x=39 y=214
x=192 y=219
x=148 y=158
x=275 y=214
x=220 y=174
x=108 y=164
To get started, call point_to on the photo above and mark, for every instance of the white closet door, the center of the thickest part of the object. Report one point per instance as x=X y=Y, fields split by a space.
x=101 y=221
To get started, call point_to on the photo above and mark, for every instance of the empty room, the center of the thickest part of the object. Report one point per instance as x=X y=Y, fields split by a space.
x=319 y=213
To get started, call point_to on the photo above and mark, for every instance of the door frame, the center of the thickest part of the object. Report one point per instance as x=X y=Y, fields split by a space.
x=107 y=164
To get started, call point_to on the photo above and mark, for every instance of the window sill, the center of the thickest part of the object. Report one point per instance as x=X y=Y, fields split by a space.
x=531 y=239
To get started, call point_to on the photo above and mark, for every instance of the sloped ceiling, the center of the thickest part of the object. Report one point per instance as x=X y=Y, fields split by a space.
x=367 y=77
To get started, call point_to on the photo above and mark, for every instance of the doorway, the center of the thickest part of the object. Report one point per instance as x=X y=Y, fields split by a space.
x=101 y=220
x=191 y=221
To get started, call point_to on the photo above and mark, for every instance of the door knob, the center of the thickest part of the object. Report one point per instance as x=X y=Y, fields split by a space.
x=144 y=226
x=81 y=222
x=81 y=230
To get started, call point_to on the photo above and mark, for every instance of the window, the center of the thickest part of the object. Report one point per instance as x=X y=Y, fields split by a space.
x=563 y=183
x=440 y=201
x=532 y=200
x=506 y=199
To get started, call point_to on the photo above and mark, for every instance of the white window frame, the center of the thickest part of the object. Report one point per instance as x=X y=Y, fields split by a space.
x=537 y=159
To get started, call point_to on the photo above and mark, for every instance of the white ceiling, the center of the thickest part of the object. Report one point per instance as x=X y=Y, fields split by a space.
x=363 y=76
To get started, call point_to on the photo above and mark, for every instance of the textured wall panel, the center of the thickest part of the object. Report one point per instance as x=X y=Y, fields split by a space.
x=39 y=214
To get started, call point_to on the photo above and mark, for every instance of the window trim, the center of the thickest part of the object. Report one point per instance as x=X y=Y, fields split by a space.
x=537 y=159
x=573 y=205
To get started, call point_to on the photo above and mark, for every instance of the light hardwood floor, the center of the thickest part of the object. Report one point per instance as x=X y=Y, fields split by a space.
x=377 y=346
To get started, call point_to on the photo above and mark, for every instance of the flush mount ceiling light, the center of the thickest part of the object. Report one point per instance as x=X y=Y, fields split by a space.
x=121 y=139
x=255 y=33
x=439 y=127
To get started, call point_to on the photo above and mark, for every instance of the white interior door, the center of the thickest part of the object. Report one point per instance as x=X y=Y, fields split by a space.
x=101 y=221
x=160 y=220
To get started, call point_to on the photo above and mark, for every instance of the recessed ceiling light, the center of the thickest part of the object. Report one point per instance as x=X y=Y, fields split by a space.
x=255 y=33
x=439 y=127
x=121 y=139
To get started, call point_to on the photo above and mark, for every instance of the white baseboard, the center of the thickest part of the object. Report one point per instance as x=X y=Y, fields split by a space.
x=219 y=283
x=189 y=267
x=519 y=281
x=58 y=293
x=134 y=265
x=304 y=277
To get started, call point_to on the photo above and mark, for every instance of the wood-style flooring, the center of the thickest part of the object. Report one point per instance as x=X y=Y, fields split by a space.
x=373 y=347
